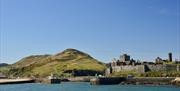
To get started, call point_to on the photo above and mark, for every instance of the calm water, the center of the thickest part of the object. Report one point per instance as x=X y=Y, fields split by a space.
x=81 y=86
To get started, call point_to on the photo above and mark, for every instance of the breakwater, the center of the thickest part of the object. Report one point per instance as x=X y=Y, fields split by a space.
x=101 y=80
x=107 y=80
x=133 y=81
x=16 y=81
x=80 y=79
x=149 y=81
x=48 y=81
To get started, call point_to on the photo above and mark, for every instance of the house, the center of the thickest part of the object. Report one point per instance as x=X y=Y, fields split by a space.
x=2 y=76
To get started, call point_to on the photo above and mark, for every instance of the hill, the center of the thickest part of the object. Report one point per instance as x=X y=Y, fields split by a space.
x=70 y=62
x=3 y=64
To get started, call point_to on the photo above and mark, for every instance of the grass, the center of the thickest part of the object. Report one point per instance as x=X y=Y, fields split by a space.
x=124 y=74
x=44 y=65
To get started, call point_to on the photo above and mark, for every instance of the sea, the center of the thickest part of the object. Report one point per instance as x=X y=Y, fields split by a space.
x=83 y=86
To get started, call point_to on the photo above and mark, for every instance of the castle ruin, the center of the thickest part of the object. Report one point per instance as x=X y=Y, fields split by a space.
x=125 y=63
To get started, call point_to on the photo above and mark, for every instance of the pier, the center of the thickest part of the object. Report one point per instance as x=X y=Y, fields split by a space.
x=107 y=80
x=150 y=80
x=135 y=81
x=16 y=81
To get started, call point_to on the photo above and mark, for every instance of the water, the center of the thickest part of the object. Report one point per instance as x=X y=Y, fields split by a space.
x=83 y=86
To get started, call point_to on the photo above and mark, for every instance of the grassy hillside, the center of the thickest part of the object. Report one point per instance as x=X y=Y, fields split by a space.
x=44 y=65
x=29 y=60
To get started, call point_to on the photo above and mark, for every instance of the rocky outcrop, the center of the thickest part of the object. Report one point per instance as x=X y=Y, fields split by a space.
x=176 y=81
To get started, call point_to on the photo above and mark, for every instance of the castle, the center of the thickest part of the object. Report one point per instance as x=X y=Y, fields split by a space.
x=125 y=63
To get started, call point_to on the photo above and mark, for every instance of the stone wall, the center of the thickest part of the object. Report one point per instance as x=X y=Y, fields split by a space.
x=137 y=68
x=178 y=68
x=161 y=67
x=143 y=68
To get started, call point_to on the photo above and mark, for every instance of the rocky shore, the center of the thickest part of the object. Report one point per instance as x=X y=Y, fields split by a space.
x=136 y=81
x=101 y=80
x=149 y=81
x=176 y=81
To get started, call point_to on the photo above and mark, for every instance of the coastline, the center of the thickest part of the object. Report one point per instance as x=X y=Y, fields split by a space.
x=153 y=81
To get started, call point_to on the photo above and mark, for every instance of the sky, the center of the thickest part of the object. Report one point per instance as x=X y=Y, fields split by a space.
x=105 y=29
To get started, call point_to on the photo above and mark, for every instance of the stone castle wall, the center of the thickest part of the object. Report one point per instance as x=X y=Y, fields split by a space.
x=137 y=68
x=161 y=67
x=144 y=68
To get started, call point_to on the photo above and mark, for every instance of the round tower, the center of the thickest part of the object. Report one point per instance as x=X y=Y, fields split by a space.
x=170 y=57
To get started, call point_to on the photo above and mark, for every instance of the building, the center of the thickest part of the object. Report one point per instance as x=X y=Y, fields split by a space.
x=2 y=76
x=124 y=58
x=125 y=63
x=170 y=57
x=159 y=60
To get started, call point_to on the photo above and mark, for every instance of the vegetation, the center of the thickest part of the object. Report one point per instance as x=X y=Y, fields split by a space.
x=124 y=74
x=147 y=74
x=161 y=74
x=44 y=65
x=3 y=64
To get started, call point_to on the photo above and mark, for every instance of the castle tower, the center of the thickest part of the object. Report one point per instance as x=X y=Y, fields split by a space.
x=170 y=57
x=124 y=58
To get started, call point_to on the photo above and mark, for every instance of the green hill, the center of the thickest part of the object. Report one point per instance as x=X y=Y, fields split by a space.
x=61 y=64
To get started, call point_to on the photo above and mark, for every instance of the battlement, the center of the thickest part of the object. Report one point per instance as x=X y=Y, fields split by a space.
x=127 y=64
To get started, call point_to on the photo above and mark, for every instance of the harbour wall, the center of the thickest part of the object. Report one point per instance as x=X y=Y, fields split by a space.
x=16 y=81
x=133 y=81
x=150 y=80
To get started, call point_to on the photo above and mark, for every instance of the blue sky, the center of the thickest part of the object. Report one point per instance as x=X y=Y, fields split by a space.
x=105 y=29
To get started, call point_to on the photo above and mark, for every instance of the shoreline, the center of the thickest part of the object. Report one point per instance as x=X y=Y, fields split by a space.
x=150 y=81
x=156 y=81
